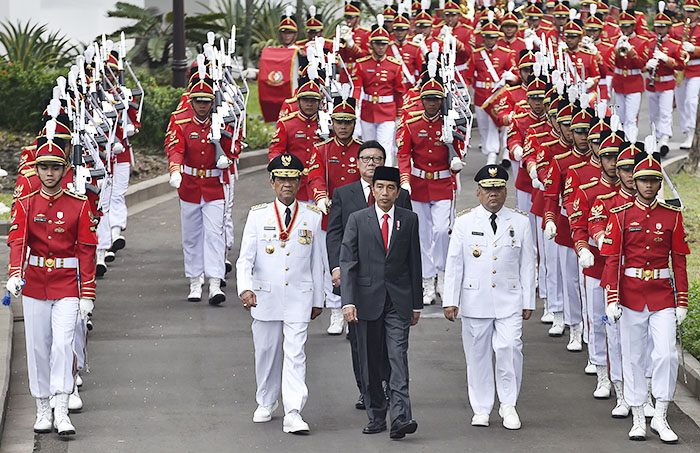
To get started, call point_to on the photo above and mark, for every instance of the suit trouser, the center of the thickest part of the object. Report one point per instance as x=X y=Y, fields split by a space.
x=104 y=230
x=385 y=339
x=228 y=209
x=355 y=352
x=568 y=266
x=481 y=338
x=490 y=136
x=595 y=304
x=203 y=240
x=279 y=350
x=80 y=343
x=49 y=327
x=120 y=182
x=628 y=108
x=332 y=300
x=661 y=111
x=434 y=222
x=687 y=102
x=385 y=134
x=636 y=329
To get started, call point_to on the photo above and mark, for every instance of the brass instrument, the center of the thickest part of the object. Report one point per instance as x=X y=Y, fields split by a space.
x=680 y=75
x=652 y=76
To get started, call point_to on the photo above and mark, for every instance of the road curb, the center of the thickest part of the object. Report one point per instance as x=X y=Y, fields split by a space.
x=6 y=326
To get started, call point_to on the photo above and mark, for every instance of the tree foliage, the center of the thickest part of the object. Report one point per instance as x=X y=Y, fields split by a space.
x=31 y=46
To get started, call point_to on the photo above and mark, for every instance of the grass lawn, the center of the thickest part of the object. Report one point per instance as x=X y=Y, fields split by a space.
x=253 y=104
x=6 y=199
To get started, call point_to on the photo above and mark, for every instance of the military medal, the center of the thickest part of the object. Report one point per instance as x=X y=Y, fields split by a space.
x=305 y=237
x=476 y=253
x=512 y=237
x=270 y=249
x=284 y=232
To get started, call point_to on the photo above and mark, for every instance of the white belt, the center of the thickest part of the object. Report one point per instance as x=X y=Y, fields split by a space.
x=665 y=78
x=374 y=99
x=693 y=62
x=442 y=174
x=461 y=67
x=487 y=85
x=627 y=72
x=57 y=263
x=602 y=81
x=647 y=274
x=201 y=172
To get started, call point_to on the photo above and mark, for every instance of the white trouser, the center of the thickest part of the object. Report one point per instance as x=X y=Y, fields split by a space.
x=687 y=102
x=80 y=343
x=228 y=209
x=535 y=223
x=554 y=280
x=568 y=266
x=279 y=351
x=117 y=207
x=628 y=108
x=661 y=111
x=612 y=332
x=332 y=300
x=104 y=230
x=523 y=200
x=515 y=165
x=490 y=136
x=434 y=222
x=584 y=302
x=203 y=238
x=385 y=134
x=49 y=327
x=595 y=304
x=635 y=328
x=483 y=337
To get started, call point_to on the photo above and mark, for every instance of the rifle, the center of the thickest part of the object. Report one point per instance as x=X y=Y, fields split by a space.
x=453 y=121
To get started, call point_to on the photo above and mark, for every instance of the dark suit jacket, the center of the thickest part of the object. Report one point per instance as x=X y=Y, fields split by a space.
x=367 y=274
x=346 y=200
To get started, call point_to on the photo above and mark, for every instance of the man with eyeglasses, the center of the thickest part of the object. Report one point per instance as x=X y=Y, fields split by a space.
x=346 y=200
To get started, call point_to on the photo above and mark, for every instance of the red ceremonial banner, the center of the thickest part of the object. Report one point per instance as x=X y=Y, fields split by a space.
x=275 y=80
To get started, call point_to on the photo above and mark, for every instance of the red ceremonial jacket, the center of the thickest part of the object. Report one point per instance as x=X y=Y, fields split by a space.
x=502 y=59
x=664 y=76
x=627 y=76
x=382 y=84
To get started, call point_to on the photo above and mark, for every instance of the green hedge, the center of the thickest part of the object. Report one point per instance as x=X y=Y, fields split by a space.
x=691 y=326
x=159 y=103
x=23 y=96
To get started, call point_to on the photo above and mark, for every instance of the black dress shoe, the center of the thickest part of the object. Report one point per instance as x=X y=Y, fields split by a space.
x=360 y=404
x=399 y=431
x=374 y=428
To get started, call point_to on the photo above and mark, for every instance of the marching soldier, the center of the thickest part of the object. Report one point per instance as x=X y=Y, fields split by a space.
x=314 y=29
x=460 y=31
x=536 y=25
x=490 y=284
x=389 y=13
x=647 y=296
x=406 y=51
x=355 y=38
x=561 y=14
x=510 y=22
x=601 y=49
x=583 y=59
x=428 y=171
x=288 y=29
x=688 y=92
x=280 y=281
x=611 y=31
x=52 y=230
x=197 y=174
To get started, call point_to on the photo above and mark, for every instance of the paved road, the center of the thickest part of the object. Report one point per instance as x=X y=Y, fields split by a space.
x=168 y=375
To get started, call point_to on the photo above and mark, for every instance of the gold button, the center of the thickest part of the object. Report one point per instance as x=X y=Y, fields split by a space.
x=49 y=270
x=646 y=247
x=50 y=204
x=50 y=221
x=430 y=150
x=429 y=164
x=51 y=254
x=495 y=258
x=342 y=178
x=49 y=237
x=286 y=268
x=495 y=245
x=648 y=216
x=287 y=253
x=647 y=231
x=494 y=271
x=286 y=283
x=493 y=286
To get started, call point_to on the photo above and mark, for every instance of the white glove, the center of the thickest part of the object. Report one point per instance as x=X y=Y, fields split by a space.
x=175 y=180
x=550 y=230
x=456 y=164
x=660 y=56
x=600 y=241
x=322 y=204
x=627 y=46
x=537 y=184
x=518 y=152
x=86 y=306
x=613 y=312
x=117 y=148
x=585 y=258
x=443 y=32
x=533 y=173
x=349 y=39
x=418 y=39
x=531 y=34
x=407 y=187
x=223 y=162
x=14 y=285
x=423 y=47
x=130 y=130
x=509 y=77
x=688 y=47
x=620 y=43
x=589 y=84
x=250 y=73
x=652 y=64
x=681 y=313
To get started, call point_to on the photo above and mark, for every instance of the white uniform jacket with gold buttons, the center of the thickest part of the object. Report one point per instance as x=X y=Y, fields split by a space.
x=286 y=276
x=490 y=275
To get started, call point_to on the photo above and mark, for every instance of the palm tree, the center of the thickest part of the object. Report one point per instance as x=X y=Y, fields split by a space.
x=26 y=47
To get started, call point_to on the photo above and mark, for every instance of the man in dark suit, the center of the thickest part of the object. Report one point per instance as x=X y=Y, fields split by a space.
x=382 y=291
x=346 y=200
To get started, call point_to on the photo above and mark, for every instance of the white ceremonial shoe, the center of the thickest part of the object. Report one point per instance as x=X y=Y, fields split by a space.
x=510 y=416
x=492 y=158
x=78 y=380
x=61 y=421
x=75 y=402
x=602 y=390
x=659 y=424
x=590 y=369
x=428 y=291
x=557 y=329
x=575 y=338
x=441 y=283
x=480 y=420
x=216 y=296
x=547 y=317
x=639 y=424
x=621 y=409
x=688 y=140
x=649 y=405
x=263 y=414
x=337 y=322
x=100 y=265
x=294 y=424
x=195 y=294
x=44 y=418
x=118 y=241
x=109 y=256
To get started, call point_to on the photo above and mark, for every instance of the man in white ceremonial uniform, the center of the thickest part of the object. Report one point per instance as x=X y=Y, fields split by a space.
x=490 y=283
x=280 y=280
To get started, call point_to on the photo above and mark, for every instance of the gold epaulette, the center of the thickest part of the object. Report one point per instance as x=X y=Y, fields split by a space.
x=506 y=49
x=674 y=40
x=464 y=212
x=562 y=155
x=520 y=115
x=74 y=195
x=416 y=113
x=541 y=134
x=607 y=196
x=584 y=50
x=521 y=212
x=479 y=49
x=670 y=206
x=587 y=185
x=550 y=143
x=538 y=125
x=621 y=207
x=362 y=28
x=513 y=88
x=578 y=165
x=313 y=208
x=29 y=195
x=365 y=58
x=290 y=116
x=183 y=121
x=393 y=60
x=323 y=142
x=177 y=112
x=29 y=148
x=258 y=206
x=415 y=118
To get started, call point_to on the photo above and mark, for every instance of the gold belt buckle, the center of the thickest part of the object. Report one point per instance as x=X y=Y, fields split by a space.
x=648 y=274
x=624 y=73
x=375 y=99
x=429 y=175
x=201 y=173
x=49 y=262
x=488 y=85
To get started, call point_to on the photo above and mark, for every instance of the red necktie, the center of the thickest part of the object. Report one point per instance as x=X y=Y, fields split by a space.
x=370 y=198
x=385 y=232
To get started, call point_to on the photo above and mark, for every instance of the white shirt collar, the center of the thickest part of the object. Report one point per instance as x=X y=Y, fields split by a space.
x=281 y=207
x=380 y=212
